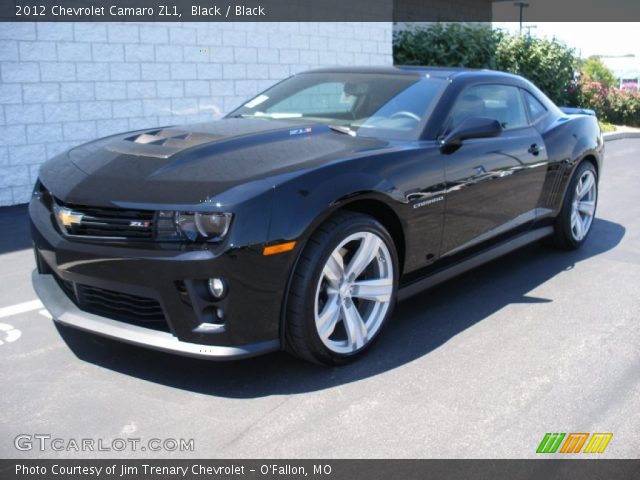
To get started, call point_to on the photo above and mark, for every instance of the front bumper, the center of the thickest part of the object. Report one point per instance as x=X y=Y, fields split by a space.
x=172 y=279
x=64 y=311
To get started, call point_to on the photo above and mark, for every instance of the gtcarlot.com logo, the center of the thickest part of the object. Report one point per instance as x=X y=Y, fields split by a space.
x=43 y=442
x=573 y=442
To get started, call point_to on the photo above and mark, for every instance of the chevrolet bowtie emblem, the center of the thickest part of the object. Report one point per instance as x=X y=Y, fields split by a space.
x=68 y=217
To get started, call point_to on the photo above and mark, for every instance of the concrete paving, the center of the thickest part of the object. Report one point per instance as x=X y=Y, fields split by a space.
x=482 y=366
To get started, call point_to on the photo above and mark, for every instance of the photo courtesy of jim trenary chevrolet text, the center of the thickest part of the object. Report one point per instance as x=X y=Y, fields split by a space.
x=323 y=239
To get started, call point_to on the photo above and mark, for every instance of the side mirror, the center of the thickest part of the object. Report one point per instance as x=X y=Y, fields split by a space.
x=472 y=127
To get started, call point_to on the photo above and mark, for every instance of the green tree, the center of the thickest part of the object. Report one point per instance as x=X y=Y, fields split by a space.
x=447 y=45
x=549 y=64
x=597 y=71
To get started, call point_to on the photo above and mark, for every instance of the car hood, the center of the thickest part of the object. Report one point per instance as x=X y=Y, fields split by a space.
x=191 y=164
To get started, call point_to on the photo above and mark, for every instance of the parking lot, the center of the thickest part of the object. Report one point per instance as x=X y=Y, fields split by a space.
x=482 y=366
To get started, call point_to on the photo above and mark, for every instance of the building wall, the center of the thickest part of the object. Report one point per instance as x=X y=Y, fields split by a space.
x=62 y=84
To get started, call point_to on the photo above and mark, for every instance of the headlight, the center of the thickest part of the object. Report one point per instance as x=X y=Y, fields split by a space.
x=210 y=226
x=213 y=225
x=193 y=225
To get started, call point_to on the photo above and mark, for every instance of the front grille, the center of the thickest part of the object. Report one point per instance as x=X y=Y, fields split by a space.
x=132 y=309
x=106 y=222
x=122 y=306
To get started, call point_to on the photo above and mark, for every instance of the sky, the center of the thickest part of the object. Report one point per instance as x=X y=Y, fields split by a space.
x=605 y=38
x=609 y=40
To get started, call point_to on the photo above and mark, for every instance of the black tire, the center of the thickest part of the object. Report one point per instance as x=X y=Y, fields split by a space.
x=301 y=333
x=564 y=237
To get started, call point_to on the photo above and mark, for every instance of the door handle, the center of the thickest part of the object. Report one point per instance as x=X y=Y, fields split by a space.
x=534 y=149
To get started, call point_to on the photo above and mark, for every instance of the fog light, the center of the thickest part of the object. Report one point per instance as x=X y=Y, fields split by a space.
x=217 y=287
x=220 y=314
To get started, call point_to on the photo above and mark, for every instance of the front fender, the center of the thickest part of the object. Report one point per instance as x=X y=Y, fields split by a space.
x=304 y=202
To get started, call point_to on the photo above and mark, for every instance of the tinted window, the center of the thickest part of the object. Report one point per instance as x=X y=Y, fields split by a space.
x=500 y=102
x=319 y=99
x=536 y=109
x=384 y=105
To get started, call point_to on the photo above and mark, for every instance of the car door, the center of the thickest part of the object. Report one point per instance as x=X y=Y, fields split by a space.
x=492 y=184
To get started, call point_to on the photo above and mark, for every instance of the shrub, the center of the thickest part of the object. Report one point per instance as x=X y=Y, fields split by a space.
x=447 y=45
x=597 y=71
x=549 y=64
x=621 y=107
x=592 y=95
x=624 y=107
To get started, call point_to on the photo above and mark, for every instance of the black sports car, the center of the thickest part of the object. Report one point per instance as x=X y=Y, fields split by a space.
x=296 y=221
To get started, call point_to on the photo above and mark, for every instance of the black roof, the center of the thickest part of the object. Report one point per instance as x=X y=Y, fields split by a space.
x=441 y=72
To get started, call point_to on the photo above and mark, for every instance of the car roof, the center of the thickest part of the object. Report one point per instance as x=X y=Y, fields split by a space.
x=440 y=72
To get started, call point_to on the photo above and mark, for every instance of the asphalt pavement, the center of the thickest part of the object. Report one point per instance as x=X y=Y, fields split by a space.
x=480 y=367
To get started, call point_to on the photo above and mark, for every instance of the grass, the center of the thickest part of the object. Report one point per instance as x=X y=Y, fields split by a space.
x=607 y=127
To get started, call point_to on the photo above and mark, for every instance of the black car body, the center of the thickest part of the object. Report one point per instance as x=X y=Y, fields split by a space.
x=110 y=260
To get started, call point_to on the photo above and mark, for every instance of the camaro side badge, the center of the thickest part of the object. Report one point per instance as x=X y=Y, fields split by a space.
x=431 y=201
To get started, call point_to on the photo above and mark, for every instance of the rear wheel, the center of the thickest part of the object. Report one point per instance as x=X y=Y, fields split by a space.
x=343 y=290
x=579 y=208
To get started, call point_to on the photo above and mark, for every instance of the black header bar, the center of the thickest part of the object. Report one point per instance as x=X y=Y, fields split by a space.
x=315 y=10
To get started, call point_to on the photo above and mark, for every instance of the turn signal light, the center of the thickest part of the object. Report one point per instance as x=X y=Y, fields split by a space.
x=279 y=248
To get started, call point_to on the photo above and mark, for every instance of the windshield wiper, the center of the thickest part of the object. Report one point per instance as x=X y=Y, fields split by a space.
x=274 y=116
x=343 y=129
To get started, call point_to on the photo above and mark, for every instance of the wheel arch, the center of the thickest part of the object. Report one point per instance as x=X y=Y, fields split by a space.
x=569 y=144
x=591 y=158
x=384 y=214
x=368 y=203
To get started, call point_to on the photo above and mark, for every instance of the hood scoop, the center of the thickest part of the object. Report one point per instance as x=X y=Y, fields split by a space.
x=161 y=143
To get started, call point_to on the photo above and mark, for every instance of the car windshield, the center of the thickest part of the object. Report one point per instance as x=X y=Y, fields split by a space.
x=365 y=104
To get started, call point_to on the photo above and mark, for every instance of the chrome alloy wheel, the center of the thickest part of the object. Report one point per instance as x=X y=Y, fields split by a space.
x=354 y=292
x=583 y=207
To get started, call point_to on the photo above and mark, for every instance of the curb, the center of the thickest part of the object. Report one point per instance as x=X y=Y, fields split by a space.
x=609 y=137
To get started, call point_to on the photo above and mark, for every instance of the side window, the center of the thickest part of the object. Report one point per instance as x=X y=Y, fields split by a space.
x=321 y=98
x=501 y=102
x=536 y=109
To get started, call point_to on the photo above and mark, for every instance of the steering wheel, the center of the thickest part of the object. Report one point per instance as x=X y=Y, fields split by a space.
x=405 y=113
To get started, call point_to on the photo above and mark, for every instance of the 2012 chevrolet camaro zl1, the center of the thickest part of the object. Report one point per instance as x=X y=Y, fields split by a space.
x=299 y=219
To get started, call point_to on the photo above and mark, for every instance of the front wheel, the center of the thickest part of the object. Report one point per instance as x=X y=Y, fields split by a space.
x=579 y=208
x=343 y=290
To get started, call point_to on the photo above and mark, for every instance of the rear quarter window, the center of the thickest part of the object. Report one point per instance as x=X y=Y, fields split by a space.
x=534 y=107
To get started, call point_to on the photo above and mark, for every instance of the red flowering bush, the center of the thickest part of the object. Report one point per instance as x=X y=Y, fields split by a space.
x=624 y=107
x=612 y=105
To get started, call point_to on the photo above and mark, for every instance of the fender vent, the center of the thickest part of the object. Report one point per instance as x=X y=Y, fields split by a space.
x=555 y=191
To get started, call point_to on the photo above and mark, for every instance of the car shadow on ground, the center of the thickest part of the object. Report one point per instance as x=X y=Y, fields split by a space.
x=419 y=326
x=15 y=229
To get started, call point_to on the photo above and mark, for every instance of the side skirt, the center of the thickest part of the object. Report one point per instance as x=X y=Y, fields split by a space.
x=474 y=261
